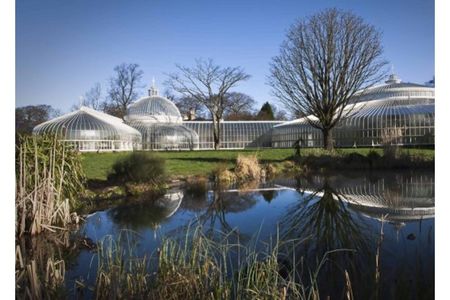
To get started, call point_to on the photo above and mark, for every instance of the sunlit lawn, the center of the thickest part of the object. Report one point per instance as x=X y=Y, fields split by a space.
x=182 y=163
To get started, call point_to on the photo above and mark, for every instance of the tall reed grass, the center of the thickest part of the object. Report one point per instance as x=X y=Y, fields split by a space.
x=49 y=179
x=198 y=266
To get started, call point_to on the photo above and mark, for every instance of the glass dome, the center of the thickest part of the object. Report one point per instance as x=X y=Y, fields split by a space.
x=160 y=123
x=394 y=113
x=153 y=109
x=91 y=130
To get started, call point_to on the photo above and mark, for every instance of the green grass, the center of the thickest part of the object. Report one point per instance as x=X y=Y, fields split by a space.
x=183 y=163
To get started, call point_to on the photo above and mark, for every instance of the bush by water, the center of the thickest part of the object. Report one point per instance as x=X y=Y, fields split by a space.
x=139 y=167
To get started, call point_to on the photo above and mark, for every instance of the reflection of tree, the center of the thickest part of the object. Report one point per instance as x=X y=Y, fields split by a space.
x=222 y=203
x=269 y=195
x=324 y=221
x=217 y=205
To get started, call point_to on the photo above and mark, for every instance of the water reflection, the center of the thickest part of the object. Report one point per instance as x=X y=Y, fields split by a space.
x=344 y=212
x=323 y=221
x=147 y=214
x=218 y=204
x=402 y=196
x=338 y=211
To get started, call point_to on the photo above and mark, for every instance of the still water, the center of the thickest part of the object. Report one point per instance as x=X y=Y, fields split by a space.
x=362 y=215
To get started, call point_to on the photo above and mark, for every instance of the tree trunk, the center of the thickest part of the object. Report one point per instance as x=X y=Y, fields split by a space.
x=327 y=139
x=216 y=133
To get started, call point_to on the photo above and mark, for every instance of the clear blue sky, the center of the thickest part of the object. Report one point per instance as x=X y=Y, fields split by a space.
x=64 y=47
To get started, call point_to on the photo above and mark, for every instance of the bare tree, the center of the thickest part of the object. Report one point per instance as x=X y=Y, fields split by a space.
x=92 y=98
x=124 y=87
x=279 y=114
x=239 y=106
x=188 y=106
x=208 y=84
x=325 y=60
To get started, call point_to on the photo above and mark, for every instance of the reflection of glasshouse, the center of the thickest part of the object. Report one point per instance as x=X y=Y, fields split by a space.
x=402 y=196
x=160 y=123
x=393 y=113
x=91 y=130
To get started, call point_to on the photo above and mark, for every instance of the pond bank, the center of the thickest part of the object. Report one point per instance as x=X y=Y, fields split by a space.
x=189 y=168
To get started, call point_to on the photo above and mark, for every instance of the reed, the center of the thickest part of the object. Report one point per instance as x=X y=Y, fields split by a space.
x=121 y=274
x=49 y=178
x=198 y=266
x=378 y=256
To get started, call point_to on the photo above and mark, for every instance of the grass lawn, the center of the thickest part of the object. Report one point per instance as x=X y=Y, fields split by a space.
x=182 y=163
x=97 y=165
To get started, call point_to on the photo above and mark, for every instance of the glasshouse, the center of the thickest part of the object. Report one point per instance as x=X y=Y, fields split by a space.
x=160 y=123
x=91 y=130
x=234 y=134
x=393 y=113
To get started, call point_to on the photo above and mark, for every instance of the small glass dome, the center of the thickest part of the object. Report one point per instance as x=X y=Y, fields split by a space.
x=153 y=109
x=90 y=130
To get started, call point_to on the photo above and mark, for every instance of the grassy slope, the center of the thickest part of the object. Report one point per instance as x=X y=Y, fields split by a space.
x=97 y=165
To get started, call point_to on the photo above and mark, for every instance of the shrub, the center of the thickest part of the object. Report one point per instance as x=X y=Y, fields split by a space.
x=139 y=167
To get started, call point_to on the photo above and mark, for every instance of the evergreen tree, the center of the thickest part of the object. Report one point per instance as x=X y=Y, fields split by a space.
x=266 y=112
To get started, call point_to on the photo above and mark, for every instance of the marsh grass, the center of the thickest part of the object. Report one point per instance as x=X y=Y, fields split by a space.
x=121 y=274
x=247 y=168
x=200 y=266
x=49 y=178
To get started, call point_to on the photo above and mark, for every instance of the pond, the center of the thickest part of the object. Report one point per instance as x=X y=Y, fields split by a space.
x=376 y=225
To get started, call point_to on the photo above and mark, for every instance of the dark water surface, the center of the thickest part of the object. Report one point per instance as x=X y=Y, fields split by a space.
x=340 y=211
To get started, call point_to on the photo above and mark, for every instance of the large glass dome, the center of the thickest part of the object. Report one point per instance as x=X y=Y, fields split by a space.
x=160 y=123
x=169 y=136
x=90 y=130
x=393 y=113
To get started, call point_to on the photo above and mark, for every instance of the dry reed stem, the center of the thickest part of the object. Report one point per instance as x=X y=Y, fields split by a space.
x=348 y=287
